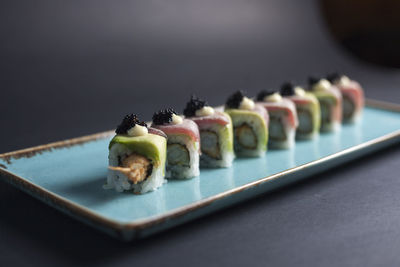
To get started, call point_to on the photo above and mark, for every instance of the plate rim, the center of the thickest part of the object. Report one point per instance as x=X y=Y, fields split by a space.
x=81 y=212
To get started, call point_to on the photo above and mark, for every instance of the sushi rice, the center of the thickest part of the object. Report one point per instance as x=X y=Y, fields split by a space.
x=120 y=182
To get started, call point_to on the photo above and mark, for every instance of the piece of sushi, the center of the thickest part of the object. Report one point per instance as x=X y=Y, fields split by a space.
x=137 y=157
x=330 y=101
x=183 y=144
x=282 y=119
x=307 y=108
x=353 y=96
x=216 y=135
x=250 y=125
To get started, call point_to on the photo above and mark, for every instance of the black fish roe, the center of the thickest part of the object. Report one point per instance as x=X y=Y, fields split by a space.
x=312 y=80
x=261 y=95
x=128 y=122
x=333 y=77
x=235 y=99
x=163 y=116
x=287 y=89
x=193 y=105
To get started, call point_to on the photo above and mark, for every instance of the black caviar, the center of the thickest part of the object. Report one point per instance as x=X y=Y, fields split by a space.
x=261 y=95
x=128 y=122
x=287 y=89
x=163 y=116
x=235 y=99
x=312 y=80
x=333 y=77
x=193 y=105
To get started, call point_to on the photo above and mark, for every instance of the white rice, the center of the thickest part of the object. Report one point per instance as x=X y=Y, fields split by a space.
x=179 y=171
x=354 y=119
x=120 y=182
x=224 y=162
x=307 y=136
x=331 y=127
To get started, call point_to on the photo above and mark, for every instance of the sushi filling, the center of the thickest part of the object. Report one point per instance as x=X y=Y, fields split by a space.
x=245 y=136
x=348 y=107
x=305 y=121
x=276 y=129
x=326 y=116
x=135 y=167
x=210 y=144
x=177 y=154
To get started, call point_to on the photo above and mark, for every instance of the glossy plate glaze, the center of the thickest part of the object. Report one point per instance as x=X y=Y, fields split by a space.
x=69 y=175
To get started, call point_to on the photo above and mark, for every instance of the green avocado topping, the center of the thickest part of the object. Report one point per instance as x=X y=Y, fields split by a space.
x=226 y=135
x=150 y=145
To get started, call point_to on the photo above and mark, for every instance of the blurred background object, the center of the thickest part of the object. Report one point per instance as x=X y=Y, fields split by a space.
x=369 y=29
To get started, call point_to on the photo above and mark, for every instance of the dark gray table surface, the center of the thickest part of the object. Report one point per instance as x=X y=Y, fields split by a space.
x=71 y=68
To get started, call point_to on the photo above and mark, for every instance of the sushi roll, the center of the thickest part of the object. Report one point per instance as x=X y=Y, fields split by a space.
x=216 y=135
x=183 y=144
x=330 y=101
x=250 y=125
x=307 y=108
x=282 y=119
x=353 y=96
x=137 y=157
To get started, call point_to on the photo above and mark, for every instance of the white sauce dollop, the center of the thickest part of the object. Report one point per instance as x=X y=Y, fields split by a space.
x=138 y=130
x=299 y=91
x=275 y=97
x=205 y=111
x=322 y=85
x=344 y=81
x=247 y=104
x=176 y=119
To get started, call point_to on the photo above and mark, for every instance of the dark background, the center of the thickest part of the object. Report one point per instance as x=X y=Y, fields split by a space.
x=71 y=68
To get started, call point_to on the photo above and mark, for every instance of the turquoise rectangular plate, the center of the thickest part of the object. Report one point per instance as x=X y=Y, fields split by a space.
x=69 y=175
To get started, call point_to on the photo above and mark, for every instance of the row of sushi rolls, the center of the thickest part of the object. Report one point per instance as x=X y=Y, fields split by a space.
x=175 y=146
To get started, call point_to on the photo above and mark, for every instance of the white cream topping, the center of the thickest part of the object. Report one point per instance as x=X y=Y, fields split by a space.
x=322 y=85
x=138 y=130
x=275 y=97
x=247 y=104
x=176 y=119
x=299 y=91
x=344 y=80
x=205 y=111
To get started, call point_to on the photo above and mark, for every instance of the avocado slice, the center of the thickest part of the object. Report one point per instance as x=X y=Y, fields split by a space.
x=226 y=135
x=151 y=146
x=326 y=96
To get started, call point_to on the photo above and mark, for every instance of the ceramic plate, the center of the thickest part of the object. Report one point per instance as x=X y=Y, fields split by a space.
x=69 y=175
